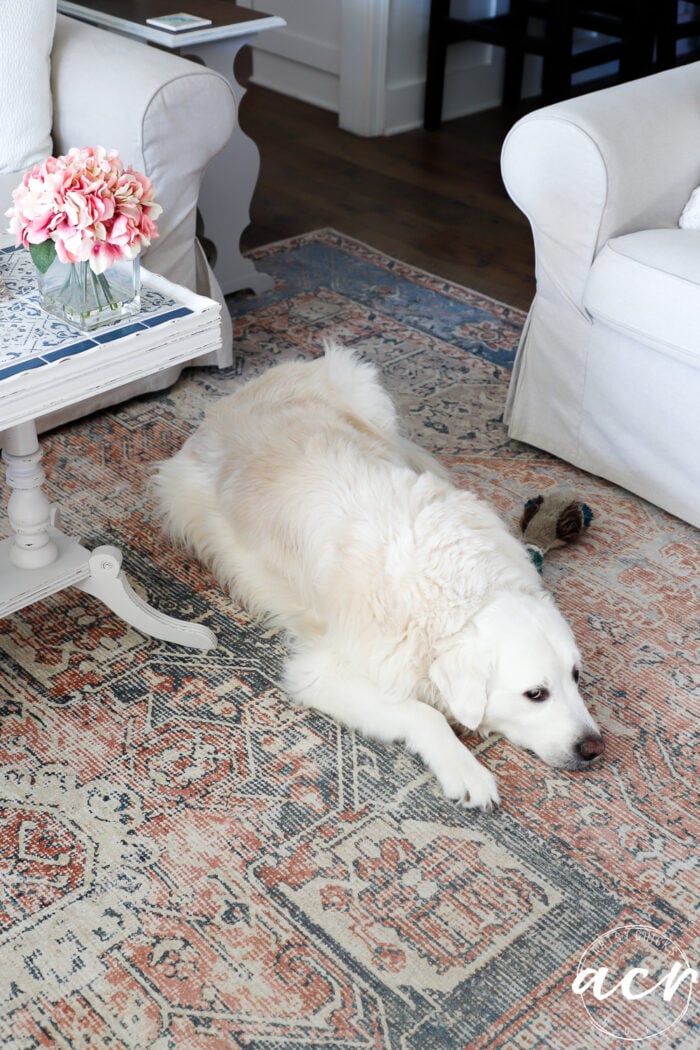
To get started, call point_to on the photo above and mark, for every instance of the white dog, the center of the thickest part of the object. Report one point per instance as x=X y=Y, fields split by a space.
x=408 y=601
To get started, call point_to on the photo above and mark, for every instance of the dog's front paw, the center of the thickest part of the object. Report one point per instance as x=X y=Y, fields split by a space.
x=464 y=779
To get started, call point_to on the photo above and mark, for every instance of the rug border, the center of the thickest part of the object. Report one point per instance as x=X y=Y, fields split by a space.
x=297 y=239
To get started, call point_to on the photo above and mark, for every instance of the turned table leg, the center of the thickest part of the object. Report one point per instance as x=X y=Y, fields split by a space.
x=39 y=560
x=28 y=510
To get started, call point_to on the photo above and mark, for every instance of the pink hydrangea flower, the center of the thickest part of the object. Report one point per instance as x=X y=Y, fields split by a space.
x=92 y=207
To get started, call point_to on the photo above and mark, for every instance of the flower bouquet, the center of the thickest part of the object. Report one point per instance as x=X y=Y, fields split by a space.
x=85 y=217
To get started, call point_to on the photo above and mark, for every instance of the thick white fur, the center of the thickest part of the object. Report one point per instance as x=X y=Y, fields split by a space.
x=408 y=601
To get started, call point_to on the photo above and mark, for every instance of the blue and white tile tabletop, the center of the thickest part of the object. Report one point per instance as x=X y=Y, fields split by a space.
x=31 y=338
x=45 y=365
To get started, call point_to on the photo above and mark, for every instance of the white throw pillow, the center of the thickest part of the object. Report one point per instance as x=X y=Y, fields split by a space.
x=26 y=38
x=690 y=216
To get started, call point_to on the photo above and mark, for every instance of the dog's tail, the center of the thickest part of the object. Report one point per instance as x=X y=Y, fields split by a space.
x=356 y=384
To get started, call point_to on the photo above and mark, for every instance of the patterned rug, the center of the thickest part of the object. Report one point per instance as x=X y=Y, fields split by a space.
x=190 y=863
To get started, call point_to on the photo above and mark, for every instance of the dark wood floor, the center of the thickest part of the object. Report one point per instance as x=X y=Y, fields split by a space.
x=433 y=199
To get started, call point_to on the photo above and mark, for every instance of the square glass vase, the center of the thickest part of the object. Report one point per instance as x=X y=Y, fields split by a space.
x=87 y=300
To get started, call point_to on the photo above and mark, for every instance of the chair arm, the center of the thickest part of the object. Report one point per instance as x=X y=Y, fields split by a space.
x=602 y=165
x=165 y=115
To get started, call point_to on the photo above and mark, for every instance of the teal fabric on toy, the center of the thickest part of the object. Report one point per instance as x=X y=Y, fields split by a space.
x=536 y=556
x=553 y=520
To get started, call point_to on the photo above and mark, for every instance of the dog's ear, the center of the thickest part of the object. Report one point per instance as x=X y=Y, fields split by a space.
x=462 y=682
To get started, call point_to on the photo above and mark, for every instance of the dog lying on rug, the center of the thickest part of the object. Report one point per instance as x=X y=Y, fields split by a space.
x=408 y=602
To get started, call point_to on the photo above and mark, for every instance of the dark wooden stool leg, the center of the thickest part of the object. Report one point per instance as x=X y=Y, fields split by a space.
x=556 y=66
x=515 y=52
x=666 y=22
x=637 y=28
x=437 y=53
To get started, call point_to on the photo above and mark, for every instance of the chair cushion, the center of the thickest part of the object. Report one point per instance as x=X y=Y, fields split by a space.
x=648 y=285
x=8 y=181
x=26 y=37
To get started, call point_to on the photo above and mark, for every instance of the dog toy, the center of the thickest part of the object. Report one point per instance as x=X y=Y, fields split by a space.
x=553 y=520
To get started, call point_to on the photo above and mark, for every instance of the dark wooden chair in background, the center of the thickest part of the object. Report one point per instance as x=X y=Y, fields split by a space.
x=627 y=29
x=670 y=30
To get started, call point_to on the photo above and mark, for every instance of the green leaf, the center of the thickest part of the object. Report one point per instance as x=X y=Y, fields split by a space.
x=43 y=255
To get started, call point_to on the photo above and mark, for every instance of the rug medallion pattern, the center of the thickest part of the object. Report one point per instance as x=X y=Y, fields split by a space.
x=189 y=862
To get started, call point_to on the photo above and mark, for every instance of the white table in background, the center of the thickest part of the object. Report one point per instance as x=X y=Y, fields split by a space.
x=45 y=365
x=230 y=180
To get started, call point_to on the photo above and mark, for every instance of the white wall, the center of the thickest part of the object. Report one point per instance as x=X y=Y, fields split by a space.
x=336 y=53
x=473 y=71
x=302 y=60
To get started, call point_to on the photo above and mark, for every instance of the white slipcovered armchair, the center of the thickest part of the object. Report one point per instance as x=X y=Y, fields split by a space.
x=608 y=371
x=167 y=117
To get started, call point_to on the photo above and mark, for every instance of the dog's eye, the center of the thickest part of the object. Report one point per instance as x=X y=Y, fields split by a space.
x=576 y=674
x=537 y=695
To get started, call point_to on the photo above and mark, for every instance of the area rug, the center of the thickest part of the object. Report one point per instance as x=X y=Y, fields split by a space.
x=188 y=862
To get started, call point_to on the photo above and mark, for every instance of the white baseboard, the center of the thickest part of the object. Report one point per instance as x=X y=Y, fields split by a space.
x=296 y=79
x=467 y=90
x=473 y=82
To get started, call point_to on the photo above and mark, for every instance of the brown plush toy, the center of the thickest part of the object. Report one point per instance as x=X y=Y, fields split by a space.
x=553 y=520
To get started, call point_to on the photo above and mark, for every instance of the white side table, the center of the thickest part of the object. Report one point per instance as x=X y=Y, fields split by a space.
x=46 y=365
x=230 y=180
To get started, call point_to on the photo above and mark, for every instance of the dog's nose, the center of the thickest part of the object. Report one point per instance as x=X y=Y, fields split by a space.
x=591 y=747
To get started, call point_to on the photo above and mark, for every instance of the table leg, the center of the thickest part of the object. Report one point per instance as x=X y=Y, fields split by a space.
x=230 y=180
x=40 y=560
x=108 y=583
x=29 y=510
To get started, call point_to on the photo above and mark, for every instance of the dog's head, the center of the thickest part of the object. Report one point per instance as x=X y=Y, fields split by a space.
x=514 y=670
